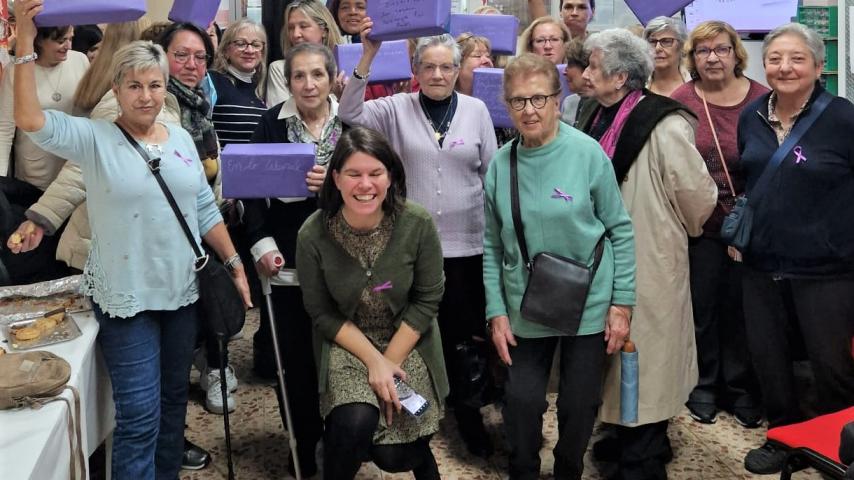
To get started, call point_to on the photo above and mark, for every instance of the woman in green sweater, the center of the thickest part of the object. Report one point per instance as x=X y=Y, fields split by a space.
x=569 y=199
x=370 y=268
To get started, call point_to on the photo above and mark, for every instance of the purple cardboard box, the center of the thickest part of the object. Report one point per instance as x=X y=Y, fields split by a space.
x=646 y=10
x=400 y=19
x=501 y=30
x=266 y=170
x=198 y=12
x=390 y=65
x=58 y=13
x=488 y=86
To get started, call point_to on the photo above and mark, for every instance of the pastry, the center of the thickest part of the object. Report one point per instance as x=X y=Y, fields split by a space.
x=27 y=333
x=45 y=324
x=16 y=238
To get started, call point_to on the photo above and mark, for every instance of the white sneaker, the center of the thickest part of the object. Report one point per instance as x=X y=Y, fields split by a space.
x=230 y=378
x=213 y=399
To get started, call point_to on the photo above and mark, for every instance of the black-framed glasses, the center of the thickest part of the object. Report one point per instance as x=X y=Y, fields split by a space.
x=543 y=40
x=184 y=57
x=665 y=42
x=537 y=101
x=722 y=51
x=242 y=45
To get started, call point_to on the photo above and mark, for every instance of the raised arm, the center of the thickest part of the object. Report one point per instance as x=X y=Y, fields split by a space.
x=353 y=109
x=28 y=112
x=536 y=9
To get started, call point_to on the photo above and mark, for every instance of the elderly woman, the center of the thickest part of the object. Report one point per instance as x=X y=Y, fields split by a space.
x=371 y=335
x=309 y=116
x=666 y=37
x=669 y=194
x=547 y=38
x=584 y=185
x=144 y=295
x=476 y=52
x=576 y=63
x=445 y=140
x=801 y=249
x=305 y=21
x=239 y=75
x=718 y=93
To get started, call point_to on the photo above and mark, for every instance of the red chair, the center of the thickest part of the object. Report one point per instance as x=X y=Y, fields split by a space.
x=814 y=443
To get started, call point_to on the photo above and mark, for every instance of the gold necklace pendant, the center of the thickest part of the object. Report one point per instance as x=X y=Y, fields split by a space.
x=437 y=135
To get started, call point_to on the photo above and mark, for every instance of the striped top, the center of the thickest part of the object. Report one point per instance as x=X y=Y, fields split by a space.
x=237 y=110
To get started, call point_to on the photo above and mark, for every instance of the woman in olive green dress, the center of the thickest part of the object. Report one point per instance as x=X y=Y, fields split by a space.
x=370 y=268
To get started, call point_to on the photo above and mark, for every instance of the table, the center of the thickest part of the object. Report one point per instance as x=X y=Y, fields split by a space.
x=34 y=443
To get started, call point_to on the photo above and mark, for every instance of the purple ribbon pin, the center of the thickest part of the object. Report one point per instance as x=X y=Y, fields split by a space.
x=799 y=156
x=559 y=194
x=186 y=160
x=459 y=142
x=384 y=286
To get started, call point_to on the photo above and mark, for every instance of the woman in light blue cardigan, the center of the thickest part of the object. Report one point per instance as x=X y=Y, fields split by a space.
x=140 y=270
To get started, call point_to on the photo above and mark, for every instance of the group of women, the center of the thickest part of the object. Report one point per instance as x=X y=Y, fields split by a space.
x=409 y=242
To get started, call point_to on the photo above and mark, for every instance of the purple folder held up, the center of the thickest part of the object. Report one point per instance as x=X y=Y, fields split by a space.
x=390 y=65
x=499 y=29
x=400 y=19
x=488 y=87
x=58 y=13
x=266 y=170
x=198 y=12
x=646 y=10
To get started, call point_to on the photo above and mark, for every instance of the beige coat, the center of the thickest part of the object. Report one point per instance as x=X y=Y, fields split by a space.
x=67 y=195
x=669 y=194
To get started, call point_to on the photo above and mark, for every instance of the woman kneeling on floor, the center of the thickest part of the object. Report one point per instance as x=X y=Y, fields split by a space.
x=370 y=268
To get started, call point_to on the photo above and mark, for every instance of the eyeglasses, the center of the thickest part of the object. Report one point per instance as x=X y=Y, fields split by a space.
x=665 y=42
x=722 y=51
x=242 y=45
x=445 y=68
x=543 y=40
x=184 y=57
x=537 y=101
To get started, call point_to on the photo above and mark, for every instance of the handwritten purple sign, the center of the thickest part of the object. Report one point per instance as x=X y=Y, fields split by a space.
x=646 y=10
x=501 y=30
x=58 y=13
x=390 y=65
x=198 y=12
x=488 y=86
x=266 y=170
x=401 y=19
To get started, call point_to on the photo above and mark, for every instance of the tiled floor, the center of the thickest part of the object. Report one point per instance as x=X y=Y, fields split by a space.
x=261 y=449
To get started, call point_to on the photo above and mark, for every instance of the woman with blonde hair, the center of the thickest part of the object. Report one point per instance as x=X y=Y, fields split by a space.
x=718 y=93
x=305 y=21
x=96 y=82
x=547 y=38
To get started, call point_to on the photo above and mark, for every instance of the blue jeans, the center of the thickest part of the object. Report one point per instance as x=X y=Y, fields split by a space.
x=148 y=357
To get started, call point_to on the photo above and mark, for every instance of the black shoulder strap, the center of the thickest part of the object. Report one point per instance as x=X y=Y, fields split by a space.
x=639 y=126
x=517 y=213
x=802 y=124
x=154 y=166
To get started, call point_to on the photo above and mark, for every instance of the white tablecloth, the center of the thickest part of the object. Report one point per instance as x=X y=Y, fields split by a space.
x=34 y=443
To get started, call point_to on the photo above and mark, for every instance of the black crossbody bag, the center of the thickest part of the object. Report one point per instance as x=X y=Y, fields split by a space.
x=557 y=286
x=221 y=306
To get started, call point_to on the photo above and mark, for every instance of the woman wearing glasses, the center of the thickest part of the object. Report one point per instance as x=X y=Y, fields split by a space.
x=547 y=38
x=669 y=194
x=568 y=200
x=666 y=36
x=717 y=95
x=445 y=140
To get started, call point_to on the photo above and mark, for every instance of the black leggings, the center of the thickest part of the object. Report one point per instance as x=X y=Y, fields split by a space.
x=348 y=441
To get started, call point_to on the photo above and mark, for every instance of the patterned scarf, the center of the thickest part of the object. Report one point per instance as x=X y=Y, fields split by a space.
x=612 y=134
x=195 y=119
x=297 y=133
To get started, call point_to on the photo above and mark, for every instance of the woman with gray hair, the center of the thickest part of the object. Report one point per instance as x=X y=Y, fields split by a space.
x=800 y=251
x=669 y=194
x=143 y=294
x=666 y=36
x=445 y=139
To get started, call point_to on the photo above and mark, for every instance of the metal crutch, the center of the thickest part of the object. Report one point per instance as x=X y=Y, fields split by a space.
x=267 y=290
